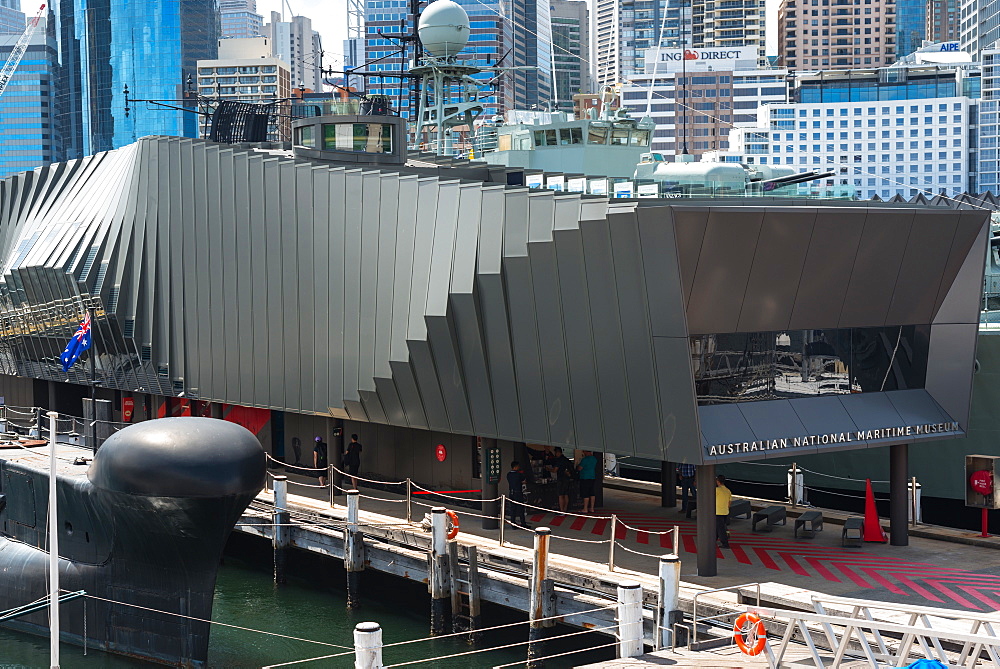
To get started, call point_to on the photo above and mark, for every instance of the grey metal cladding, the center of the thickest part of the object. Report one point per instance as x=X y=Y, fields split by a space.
x=724 y=263
x=777 y=270
x=951 y=356
x=772 y=420
x=960 y=296
x=720 y=424
x=924 y=258
x=658 y=234
x=876 y=268
x=690 y=224
x=306 y=280
x=833 y=247
x=677 y=413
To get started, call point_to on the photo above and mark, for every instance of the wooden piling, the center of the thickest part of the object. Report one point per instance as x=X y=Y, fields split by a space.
x=540 y=601
x=439 y=580
x=281 y=530
x=368 y=646
x=668 y=611
x=475 y=595
x=354 y=557
x=629 y=620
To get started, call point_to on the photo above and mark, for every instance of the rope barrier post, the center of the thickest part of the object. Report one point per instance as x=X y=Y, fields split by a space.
x=409 y=500
x=629 y=620
x=332 y=480
x=541 y=598
x=677 y=540
x=438 y=581
x=280 y=530
x=611 y=546
x=503 y=517
x=367 y=646
x=915 y=515
x=354 y=551
x=793 y=484
x=668 y=611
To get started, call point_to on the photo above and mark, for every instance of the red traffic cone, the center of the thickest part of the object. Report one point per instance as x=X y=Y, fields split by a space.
x=873 y=529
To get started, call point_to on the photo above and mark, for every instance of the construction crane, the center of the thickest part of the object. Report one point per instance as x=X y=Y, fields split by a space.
x=22 y=45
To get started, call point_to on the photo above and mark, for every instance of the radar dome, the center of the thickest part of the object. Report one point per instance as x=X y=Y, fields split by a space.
x=443 y=28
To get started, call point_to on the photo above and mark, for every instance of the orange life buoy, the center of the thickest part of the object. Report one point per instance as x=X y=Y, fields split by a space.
x=749 y=634
x=453 y=518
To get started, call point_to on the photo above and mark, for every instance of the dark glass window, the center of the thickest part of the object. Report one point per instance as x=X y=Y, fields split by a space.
x=758 y=366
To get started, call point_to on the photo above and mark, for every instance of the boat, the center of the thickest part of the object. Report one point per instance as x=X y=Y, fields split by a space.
x=142 y=526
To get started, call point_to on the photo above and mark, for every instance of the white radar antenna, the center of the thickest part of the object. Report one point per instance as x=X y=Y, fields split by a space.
x=22 y=45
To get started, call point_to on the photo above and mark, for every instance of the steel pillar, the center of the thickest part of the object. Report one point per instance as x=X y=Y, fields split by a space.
x=705 y=542
x=668 y=485
x=899 y=503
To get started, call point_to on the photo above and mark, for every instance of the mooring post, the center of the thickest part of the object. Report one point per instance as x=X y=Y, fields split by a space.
x=332 y=483
x=439 y=581
x=280 y=531
x=503 y=518
x=668 y=611
x=611 y=544
x=367 y=646
x=540 y=601
x=454 y=584
x=354 y=551
x=475 y=589
x=629 y=620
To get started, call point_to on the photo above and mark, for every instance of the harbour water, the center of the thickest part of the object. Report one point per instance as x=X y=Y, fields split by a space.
x=312 y=606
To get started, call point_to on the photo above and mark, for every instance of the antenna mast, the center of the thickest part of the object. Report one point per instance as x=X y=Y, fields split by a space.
x=18 y=53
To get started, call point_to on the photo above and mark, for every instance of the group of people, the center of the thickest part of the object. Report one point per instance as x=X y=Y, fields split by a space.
x=351 y=462
x=567 y=477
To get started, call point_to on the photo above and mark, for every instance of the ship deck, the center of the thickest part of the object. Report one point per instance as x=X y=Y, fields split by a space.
x=34 y=453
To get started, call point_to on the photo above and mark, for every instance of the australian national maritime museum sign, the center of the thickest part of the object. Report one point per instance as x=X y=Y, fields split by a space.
x=857 y=436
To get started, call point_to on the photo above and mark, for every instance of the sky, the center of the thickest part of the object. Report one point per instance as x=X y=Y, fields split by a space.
x=329 y=17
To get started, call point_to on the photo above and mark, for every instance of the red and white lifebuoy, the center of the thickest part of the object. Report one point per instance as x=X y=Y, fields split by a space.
x=452 y=524
x=749 y=634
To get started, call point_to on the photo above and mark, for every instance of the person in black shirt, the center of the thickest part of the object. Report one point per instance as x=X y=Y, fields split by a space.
x=352 y=460
x=563 y=470
x=319 y=459
x=515 y=497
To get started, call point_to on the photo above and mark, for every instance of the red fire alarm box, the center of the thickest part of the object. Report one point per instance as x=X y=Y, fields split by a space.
x=981 y=489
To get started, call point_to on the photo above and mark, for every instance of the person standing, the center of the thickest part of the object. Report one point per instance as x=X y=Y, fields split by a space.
x=689 y=490
x=723 y=496
x=563 y=470
x=588 y=480
x=320 y=459
x=297 y=449
x=352 y=460
x=515 y=493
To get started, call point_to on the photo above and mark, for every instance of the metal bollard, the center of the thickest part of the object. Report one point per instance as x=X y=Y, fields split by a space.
x=611 y=546
x=629 y=620
x=439 y=577
x=668 y=603
x=409 y=501
x=354 y=561
x=281 y=530
x=367 y=646
x=332 y=487
x=540 y=604
x=503 y=518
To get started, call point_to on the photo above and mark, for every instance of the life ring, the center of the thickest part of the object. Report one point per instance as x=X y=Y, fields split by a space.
x=453 y=522
x=749 y=634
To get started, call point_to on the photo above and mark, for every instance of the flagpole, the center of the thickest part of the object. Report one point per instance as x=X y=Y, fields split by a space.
x=93 y=392
x=53 y=546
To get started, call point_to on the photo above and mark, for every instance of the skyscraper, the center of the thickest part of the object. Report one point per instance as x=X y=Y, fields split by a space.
x=296 y=43
x=151 y=46
x=239 y=19
x=942 y=20
x=979 y=25
x=836 y=34
x=570 y=51
x=27 y=122
x=12 y=20
x=911 y=25
x=528 y=39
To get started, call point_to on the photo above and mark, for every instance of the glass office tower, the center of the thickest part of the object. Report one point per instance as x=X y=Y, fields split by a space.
x=150 y=46
x=12 y=21
x=911 y=26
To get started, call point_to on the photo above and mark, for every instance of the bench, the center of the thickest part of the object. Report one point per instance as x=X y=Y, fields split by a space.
x=772 y=514
x=854 y=531
x=739 y=507
x=811 y=522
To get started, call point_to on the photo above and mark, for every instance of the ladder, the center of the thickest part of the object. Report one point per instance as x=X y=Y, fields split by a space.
x=18 y=52
x=465 y=592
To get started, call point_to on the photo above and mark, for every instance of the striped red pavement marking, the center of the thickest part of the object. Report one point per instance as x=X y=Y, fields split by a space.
x=935 y=583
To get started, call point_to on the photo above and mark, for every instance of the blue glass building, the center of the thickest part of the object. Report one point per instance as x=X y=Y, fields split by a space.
x=911 y=26
x=12 y=21
x=151 y=46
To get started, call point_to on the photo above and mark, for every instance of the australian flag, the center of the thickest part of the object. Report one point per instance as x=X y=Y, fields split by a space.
x=79 y=343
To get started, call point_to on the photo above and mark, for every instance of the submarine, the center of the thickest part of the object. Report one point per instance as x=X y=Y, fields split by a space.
x=142 y=527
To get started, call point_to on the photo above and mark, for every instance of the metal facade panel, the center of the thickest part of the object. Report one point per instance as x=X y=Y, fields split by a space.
x=273 y=385
x=690 y=224
x=353 y=213
x=472 y=357
x=427 y=384
x=391 y=404
x=723 y=269
x=409 y=395
x=637 y=340
x=406 y=224
x=368 y=268
x=226 y=255
x=607 y=323
x=443 y=250
x=525 y=344
x=373 y=406
x=657 y=232
x=773 y=421
x=917 y=407
x=949 y=365
x=336 y=285
x=244 y=272
x=962 y=301
x=876 y=268
x=967 y=232
x=823 y=415
x=871 y=411
x=678 y=413
x=777 y=270
x=924 y=259
x=287 y=173
x=444 y=349
x=305 y=284
x=423 y=246
x=541 y=216
x=323 y=265
x=387 y=261
x=721 y=424
x=202 y=259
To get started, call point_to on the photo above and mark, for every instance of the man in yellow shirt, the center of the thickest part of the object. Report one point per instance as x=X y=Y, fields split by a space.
x=723 y=496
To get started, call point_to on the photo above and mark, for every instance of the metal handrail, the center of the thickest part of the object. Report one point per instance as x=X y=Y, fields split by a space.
x=694 y=606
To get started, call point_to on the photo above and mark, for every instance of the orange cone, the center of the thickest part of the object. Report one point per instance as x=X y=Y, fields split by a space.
x=873 y=528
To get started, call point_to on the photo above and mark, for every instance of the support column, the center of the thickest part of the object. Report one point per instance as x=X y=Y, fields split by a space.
x=668 y=485
x=899 y=477
x=354 y=560
x=438 y=583
x=491 y=469
x=705 y=542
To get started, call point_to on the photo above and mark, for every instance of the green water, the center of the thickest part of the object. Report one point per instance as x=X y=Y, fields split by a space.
x=314 y=608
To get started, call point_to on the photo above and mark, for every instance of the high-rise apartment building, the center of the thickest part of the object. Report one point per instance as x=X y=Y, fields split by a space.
x=296 y=43
x=570 y=51
x=528 y=36
x=239 y=19
x=152 y=47
x=246 y=71
x=837 y=34
x=942 y=20
x=12 y=19
x=28 y=124
x=979 y=25
x=988 y=173
x=628 y=34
